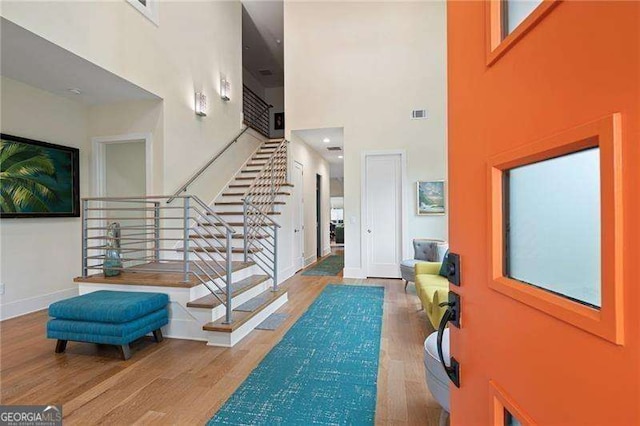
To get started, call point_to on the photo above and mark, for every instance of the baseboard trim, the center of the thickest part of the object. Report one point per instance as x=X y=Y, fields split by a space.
x=286 y=273
x=309 y=260
x=326 y=251
x=33 y=304
x=353 y=273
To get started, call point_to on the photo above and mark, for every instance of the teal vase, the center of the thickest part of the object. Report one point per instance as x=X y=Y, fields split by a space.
x=112 y=260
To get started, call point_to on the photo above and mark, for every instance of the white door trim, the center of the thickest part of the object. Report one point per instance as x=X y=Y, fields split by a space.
x=98 y=144
x=296 y=256
x=363 y=203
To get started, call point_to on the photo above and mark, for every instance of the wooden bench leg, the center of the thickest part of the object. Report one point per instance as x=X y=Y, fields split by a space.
x=61 y=346
x=157 y=334
x=125 y=351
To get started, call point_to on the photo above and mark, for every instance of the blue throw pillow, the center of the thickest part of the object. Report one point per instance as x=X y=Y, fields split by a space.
x=444 y=268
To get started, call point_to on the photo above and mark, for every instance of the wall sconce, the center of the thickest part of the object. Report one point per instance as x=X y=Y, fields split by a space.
x=201 y=104
x=225 y=89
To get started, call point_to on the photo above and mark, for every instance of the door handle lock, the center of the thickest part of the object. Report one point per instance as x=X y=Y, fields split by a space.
x=369 y=231
x=451 y=314
x=453 y=268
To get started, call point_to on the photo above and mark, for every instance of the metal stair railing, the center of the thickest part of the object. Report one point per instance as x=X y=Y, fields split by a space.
x=260 y=230
x=150 y=230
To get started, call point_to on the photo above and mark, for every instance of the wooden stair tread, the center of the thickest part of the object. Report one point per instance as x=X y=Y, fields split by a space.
x=259 y=170
x=222 y=236
x=239 y=318
x=238 y=224
x=210 y=301
x=221 y=249
x=140 y=275
x=240 y=194
x=240 y=203
x=239 y=213
x=247 y=185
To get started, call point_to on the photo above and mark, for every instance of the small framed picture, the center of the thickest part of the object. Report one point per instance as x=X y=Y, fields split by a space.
x=430 y=198
x=278 y=121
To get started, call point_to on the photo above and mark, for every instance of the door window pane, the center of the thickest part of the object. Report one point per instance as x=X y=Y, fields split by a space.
x=552 y=225
x=510 y=420
x=516 y=11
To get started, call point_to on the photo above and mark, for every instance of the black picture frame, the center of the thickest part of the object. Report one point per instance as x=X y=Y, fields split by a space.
x=72 y=173
x=278 y=121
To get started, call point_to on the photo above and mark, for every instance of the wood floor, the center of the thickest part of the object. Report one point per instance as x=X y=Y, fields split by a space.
x=185 y=382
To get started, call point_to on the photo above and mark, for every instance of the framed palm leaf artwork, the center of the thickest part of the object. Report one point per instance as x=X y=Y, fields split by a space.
x=38 y=179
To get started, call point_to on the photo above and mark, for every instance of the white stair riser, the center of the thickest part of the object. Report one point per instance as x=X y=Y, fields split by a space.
x=208 y=314
x=219 y=338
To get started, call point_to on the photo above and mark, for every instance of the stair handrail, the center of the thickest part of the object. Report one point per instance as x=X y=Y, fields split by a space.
x=261 y=231
x=202 y=169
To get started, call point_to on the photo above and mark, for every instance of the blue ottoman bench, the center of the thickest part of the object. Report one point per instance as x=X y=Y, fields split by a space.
x=108 y=317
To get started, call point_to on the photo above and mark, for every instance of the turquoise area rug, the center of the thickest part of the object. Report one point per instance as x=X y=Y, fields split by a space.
x=324 y=370
x=331 y=265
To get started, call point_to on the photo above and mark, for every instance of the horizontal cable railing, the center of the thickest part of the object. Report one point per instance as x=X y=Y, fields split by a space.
x=146 y=235
x=252 y=109
x=260 y=231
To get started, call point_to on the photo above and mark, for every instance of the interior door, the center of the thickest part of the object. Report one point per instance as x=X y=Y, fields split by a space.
x=298 y=216
x=544 y=171
x=383 y=212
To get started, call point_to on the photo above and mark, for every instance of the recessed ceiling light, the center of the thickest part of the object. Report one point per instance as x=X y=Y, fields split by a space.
x=340 y=156
x=326 y=140
x=75 y=91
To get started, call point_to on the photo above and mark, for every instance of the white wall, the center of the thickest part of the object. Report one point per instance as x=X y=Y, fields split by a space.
x=275 y=97
x=194 y=44
x=252 y=83
x=40 y=257
x=364 y=66
x=337 y=187
x=125 y=169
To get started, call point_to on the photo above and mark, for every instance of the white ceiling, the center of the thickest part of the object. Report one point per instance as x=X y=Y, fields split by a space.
x=37 y=62
x=263 y=40
x=315 y=139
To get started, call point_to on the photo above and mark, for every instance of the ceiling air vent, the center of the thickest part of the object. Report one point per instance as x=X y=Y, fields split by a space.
x=334 y=148
x=265 y=73
x=418 y=114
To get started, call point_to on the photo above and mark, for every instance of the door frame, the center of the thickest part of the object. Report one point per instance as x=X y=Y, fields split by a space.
x=319 y=228
x=98 y=145
x=301 y=214
x=364 y=259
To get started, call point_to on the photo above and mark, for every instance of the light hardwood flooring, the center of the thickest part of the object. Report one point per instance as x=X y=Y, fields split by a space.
x=185 y=382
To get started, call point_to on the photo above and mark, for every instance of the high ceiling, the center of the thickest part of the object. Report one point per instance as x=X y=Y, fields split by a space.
x=37 y=62
x=263 y=41
x=317 y=139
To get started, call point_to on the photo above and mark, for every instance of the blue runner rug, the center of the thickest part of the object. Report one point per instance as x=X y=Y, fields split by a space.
x=323 y=371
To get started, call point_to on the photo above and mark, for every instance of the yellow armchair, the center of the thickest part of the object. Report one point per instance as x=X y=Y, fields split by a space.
x=432 y=289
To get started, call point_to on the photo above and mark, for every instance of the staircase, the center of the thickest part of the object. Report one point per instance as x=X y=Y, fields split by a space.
x=249 y=202
x=209 y=258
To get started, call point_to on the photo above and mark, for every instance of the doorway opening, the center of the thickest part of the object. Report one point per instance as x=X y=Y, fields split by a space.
x=122 y=168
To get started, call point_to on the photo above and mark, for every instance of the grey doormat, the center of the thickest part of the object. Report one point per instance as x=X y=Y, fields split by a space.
x=252 y=304
x=273 y=321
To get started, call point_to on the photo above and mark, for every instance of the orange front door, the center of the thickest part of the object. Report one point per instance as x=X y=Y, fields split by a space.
x=544 y=200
